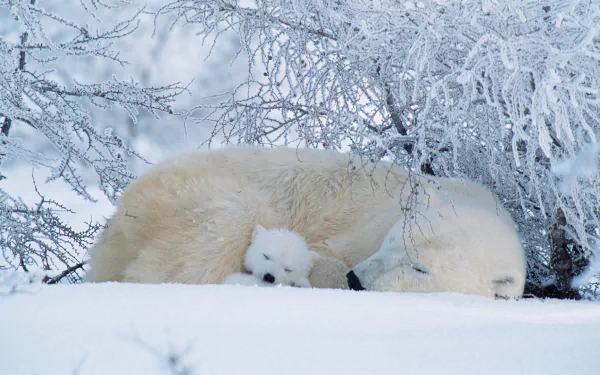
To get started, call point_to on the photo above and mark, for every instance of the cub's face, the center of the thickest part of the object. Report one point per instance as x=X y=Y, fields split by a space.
x=279 y=256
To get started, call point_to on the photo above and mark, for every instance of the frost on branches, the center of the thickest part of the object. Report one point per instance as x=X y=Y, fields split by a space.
x=31 y=96
x=498 y=91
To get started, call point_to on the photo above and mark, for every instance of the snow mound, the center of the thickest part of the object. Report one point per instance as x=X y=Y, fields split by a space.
x=114 y=328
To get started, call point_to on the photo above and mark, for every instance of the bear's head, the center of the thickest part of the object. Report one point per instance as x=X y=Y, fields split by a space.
x=279 y=256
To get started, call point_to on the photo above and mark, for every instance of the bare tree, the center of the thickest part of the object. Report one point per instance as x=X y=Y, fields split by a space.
x=497 y=91
x=32 y=96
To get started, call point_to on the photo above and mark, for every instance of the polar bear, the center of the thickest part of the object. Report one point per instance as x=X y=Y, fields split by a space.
x=275 y=257
x=464 y=240
x=190 y=220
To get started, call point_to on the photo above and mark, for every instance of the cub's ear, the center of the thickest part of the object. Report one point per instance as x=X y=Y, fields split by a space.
x=257 y=230
x=314 y=256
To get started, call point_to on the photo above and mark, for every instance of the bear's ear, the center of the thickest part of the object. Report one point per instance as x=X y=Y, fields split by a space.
x=257 y=230
x=314 y=256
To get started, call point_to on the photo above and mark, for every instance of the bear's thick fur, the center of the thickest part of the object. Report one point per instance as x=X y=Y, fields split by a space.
x=460 y=240
x=190 y=219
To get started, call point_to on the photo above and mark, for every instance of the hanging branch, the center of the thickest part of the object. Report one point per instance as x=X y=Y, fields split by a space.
x=36 y=236
x=498 y=93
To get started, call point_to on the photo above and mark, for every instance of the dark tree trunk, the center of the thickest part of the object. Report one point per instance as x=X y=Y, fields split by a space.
x=566 y=261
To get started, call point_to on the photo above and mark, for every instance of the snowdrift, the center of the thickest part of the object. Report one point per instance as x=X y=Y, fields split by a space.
x=131 y=329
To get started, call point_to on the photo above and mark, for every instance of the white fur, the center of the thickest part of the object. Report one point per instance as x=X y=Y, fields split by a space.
x=248 y=279
x=277 y=254
x=463 y=239
x=190 y=220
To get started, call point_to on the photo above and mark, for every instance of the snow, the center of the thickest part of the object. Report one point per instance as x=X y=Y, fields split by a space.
x=114 y=328
x=131 y=329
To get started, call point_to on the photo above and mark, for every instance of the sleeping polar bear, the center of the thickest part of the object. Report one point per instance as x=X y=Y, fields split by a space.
x=464 y=240
x=190 y=219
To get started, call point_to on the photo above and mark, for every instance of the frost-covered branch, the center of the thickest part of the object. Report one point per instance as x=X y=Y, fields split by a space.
x=37 y=237
x=498 y=91
x=32 y=96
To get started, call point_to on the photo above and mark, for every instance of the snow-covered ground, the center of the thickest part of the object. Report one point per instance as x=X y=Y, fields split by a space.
x=113 y=329
x=132 y=329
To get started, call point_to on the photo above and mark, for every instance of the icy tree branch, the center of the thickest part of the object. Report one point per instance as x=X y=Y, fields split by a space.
x=497 y=91
x=31 y=96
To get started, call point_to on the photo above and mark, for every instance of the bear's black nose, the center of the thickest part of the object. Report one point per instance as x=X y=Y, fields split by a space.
x=353 y=281
x=269 y=278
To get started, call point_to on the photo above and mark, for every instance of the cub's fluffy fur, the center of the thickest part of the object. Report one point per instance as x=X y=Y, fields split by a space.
x=275 y=257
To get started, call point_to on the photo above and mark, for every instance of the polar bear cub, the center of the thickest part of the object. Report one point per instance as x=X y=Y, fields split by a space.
x=275 y=256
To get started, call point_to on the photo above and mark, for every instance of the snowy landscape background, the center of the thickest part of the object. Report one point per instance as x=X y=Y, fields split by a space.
x=113 y=328
x=182 y=329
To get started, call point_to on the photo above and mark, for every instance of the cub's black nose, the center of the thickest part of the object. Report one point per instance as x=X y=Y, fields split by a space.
x=269 y=278
x=353 y=281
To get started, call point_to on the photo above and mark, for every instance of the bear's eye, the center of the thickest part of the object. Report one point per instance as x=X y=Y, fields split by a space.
x=287 y=270
x=266 y=257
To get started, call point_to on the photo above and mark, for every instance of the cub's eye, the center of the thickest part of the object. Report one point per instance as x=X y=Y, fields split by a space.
x=266 y=257
x=287 y=270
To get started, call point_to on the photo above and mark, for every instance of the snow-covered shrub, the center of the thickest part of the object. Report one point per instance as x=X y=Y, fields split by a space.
x=33 y=96
x=499 y=91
